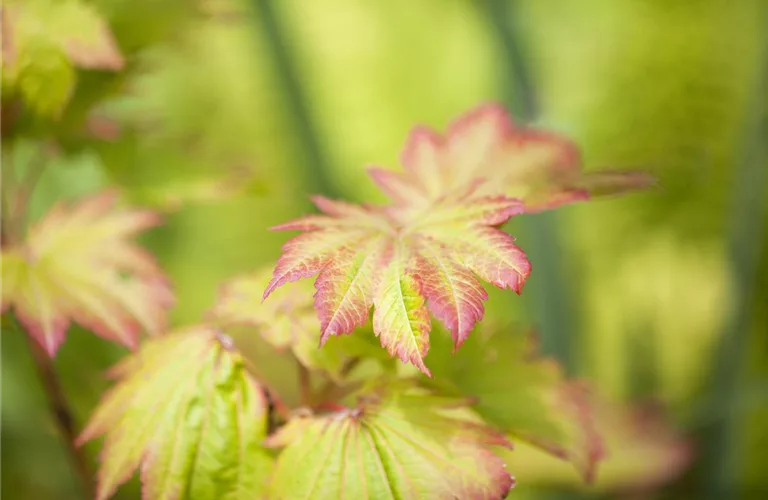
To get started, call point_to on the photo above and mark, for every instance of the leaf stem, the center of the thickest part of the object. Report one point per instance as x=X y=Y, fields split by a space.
x=332 y=391
x=62 y=414
x=305 y=384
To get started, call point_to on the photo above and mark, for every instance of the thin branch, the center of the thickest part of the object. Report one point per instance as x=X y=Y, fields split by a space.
x=333 y=391
x=13 y=220
x=62 y=414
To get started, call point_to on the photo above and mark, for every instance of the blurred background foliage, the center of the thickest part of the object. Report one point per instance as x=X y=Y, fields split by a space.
x=226 y=114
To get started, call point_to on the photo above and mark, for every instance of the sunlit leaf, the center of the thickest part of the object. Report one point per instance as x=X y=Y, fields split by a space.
x=187 y=415
x=287 y=321
x=524 y=395
x=541 y=168
x=404 y=266
x=78 y=264
x=391 y=445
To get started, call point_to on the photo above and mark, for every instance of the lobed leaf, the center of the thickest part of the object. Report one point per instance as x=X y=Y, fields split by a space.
x=288 y=321
x=404 y=266
x=79 y=264
x=541 y=168
x=524 y=395
x=393 y=444
x=186 y=414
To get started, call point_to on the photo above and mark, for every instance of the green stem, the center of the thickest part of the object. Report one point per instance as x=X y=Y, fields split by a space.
x=316 y=171
x=547 y=290
x=745 y=245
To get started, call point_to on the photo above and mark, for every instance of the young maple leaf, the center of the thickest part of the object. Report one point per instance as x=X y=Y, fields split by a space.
x=78 y=264
x=287 y=321
x=541 y=168
x=188 y=416
x=393 y=445
x=404 y=265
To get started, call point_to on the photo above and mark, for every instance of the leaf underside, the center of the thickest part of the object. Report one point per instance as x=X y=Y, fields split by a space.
x=429 y=250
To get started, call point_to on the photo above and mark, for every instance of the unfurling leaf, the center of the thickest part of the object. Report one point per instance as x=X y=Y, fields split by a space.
x=392 y=445
x=188 y=416
x=404 y=265
x=79 y=264
x=524 y=395
x=288 y=321
x=541 y=168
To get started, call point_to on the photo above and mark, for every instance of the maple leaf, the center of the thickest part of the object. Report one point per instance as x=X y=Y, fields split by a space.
x=395 y=444
x=541 y=168
x=525 y=395
x=188 y=416
x=78 y=264
x=287 y=321
x=404 y=266
x=643 y=452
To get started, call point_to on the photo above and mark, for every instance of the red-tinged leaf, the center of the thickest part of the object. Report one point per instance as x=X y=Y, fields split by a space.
x=524 y=395
x=186 y=414
x=287 y=320
x=643 y=452
x=79 y=265
x=541 y=168
x=392 y=445
x=384 y=257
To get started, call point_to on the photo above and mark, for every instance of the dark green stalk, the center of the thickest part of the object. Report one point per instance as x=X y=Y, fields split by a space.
x=267 y=24
x=745 y=245
x=547 y=288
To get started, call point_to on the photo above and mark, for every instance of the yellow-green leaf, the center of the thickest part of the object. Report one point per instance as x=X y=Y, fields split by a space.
x=78 y=264
x=392 y=445
x=188 y=416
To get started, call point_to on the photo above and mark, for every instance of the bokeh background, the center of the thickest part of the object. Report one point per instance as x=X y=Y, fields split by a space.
x=228 y=113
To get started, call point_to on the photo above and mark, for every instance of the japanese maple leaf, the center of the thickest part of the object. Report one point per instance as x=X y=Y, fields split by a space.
x=405 y=266
x=541 y=168
x=78 y=264
x=391 y=445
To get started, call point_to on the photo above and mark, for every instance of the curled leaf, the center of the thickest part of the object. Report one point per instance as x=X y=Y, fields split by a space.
x=187 y=415
x=79 y=264
x=392 y=445
x=541 y=168
x=525 y=395
x=404 y=266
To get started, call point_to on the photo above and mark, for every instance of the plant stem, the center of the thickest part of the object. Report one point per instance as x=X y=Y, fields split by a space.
x=15 y=206
x=62 y=415
x=333 y=391
x=305 y=384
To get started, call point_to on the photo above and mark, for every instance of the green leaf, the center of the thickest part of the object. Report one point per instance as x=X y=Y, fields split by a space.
x=522 y=394
x=288 y=321
x=188 y=416
x=393 y=444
